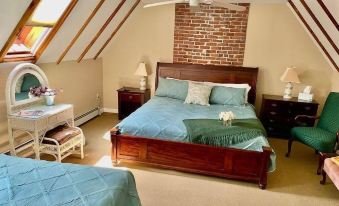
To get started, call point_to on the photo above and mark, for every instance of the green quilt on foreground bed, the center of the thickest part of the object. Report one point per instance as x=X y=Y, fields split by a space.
x=30 y=182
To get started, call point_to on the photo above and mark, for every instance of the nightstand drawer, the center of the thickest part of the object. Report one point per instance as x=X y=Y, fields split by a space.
x=128 y=97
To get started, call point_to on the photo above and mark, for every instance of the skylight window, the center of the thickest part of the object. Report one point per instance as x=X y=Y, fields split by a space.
x=36 y=29
x=49 y=12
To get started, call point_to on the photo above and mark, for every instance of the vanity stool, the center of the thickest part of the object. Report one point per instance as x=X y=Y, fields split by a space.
x=63 y=141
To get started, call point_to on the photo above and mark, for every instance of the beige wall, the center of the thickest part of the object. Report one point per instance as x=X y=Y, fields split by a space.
x=80 y=82
x=275 y=40
x=335 y=81
x=146 y=36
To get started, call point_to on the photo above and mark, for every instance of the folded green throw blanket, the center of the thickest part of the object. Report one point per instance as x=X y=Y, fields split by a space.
x=213 y=132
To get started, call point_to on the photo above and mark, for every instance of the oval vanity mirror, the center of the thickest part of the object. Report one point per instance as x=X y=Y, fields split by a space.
x=20 y=81
x=23 y=86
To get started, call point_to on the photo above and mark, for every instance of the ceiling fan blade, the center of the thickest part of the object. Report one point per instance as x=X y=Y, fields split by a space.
x=222 y=3
x=163 y=3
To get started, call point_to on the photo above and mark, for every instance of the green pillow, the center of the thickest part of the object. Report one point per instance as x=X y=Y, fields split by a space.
x=29 y=81
x=172 y=88
x=228 y=96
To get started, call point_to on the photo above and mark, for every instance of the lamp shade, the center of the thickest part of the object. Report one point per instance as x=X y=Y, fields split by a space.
x=290 y=75
x=141 y=70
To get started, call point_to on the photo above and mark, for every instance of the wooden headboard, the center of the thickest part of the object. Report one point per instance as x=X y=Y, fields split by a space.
x=210 y=73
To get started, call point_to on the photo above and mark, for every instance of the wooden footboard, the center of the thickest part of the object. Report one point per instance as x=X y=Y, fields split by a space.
x=195 y=158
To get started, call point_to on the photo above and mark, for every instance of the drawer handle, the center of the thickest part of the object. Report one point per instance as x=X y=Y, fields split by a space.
x=130 y=97
x=270 y=128
x=273 y=113
x=271 y=120
x=274 y=105
x=307 y=108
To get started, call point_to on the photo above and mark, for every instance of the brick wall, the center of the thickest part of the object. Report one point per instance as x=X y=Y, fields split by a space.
x=213 y=36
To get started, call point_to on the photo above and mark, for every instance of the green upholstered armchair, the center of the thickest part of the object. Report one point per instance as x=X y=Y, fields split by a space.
x=325 y=136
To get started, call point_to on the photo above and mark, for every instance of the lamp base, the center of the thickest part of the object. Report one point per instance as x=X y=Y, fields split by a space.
x=288 y=91
x=143 y=83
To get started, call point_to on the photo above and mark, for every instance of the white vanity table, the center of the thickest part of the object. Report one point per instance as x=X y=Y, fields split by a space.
x=37 y=126
x=23 y=77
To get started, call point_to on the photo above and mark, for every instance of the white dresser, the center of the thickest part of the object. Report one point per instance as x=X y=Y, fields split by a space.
x=37 y=126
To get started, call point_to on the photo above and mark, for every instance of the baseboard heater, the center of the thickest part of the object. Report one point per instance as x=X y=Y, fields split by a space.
x=85 y=117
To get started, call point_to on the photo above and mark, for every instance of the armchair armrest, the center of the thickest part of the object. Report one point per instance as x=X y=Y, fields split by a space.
x=306 y=116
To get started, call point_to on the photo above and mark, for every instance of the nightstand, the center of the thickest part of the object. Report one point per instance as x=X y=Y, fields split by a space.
x=277 y=114
x=130 y=99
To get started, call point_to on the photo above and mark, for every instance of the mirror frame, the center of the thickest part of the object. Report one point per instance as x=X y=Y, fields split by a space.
x=16 y=73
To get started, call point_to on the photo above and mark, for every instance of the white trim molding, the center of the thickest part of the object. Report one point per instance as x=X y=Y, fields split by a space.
x=109 y=110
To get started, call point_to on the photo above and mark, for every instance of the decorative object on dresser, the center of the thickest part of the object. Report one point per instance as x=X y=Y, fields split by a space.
x=141 y=71
x=290 y=76
x=278 y=114
x=306 y=94
x=29 y=114
x=130 y=99
x=325 y=136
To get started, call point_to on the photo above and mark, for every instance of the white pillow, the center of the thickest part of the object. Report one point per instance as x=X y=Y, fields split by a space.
x=198 y=94
x=246 y=86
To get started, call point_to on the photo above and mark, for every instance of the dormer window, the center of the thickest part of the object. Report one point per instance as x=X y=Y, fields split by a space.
x=36 y=29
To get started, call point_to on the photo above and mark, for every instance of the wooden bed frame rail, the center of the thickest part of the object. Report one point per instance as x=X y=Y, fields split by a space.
x=194 y=158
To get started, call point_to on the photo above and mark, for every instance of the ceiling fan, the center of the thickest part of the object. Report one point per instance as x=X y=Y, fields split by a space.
x=195 y=4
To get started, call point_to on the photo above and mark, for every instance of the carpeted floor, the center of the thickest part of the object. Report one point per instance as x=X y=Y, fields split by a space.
x=293 y=183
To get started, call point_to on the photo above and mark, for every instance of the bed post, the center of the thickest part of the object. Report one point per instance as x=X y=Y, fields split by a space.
x=114 y=139
x=264 y=166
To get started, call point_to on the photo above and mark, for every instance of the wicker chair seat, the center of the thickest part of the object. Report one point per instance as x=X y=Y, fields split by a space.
x=61 y=134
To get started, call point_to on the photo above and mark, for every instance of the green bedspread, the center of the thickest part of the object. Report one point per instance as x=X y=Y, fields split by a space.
x=213 y=132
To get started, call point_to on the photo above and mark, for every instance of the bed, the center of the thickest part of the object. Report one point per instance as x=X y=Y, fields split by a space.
x=34 y=182
x=155 y=135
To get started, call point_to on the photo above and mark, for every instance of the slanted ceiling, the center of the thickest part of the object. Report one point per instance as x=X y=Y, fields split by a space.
x=12 y=10
x=320 y=19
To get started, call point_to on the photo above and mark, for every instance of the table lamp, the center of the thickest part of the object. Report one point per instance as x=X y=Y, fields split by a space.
x=290 y=76
x=141 y=71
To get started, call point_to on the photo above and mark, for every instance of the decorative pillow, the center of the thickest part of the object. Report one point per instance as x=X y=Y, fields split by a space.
x=246 y=86
x=18 y=84
x=198 y=94
x=228 y=96
x=172 y=88
x=29 y=81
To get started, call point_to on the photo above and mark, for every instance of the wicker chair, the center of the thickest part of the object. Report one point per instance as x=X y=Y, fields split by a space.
x=63 y=141
x=325 y=136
